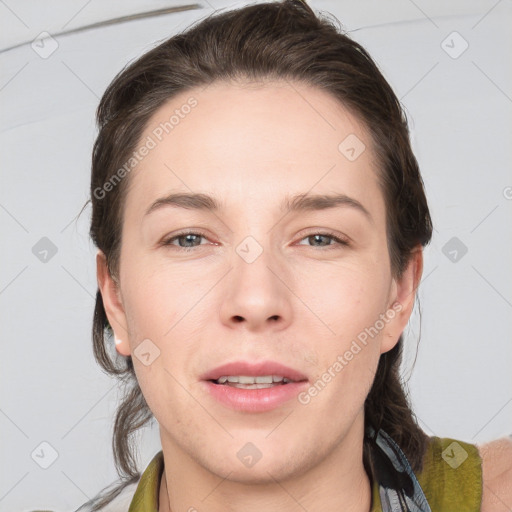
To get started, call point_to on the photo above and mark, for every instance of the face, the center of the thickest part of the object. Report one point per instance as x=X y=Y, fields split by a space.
x=307 y=287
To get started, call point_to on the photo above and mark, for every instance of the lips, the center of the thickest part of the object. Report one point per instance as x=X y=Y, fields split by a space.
x=238 y=368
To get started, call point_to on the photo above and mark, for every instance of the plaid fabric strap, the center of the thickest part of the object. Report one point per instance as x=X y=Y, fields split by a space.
x=399 y=490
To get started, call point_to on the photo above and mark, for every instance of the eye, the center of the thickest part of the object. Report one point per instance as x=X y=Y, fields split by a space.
x=186 y=237
x=187 y=240
x=317 y=237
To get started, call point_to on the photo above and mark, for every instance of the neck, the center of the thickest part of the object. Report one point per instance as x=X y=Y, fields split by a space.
x=337 y=482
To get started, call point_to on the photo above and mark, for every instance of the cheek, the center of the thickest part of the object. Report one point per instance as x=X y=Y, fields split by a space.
x=348 y=303
x=345 y=373
x=156 y=295
x=166 y=309
x=346 y=298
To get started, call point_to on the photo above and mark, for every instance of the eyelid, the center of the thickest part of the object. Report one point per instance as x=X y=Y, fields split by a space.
x=344 y=239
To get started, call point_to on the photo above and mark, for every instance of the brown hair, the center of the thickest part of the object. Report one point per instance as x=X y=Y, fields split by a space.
x=284 y=40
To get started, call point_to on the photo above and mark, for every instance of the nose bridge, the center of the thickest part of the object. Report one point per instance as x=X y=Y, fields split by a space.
x=256 y=291
x=253 y=232
x=254 y=262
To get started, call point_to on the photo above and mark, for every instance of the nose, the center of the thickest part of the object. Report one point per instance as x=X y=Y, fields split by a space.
x=257 y=295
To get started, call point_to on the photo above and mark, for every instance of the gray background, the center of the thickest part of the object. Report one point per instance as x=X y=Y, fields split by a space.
x=459 y=105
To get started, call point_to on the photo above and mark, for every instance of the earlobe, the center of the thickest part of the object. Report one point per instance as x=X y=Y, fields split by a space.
x=112 y=303
x=122 y=347
x=402 y=299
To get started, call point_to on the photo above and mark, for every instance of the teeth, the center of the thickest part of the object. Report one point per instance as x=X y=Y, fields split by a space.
x=263 y=379
x=250 y=386
x=245 y=379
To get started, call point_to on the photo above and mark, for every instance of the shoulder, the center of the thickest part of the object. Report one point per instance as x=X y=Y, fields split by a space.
x=120 y=503
x=451 y=476
x=138 y=493
x=497 y=474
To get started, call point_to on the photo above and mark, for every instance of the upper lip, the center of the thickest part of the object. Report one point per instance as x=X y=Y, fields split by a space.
x=254 y=370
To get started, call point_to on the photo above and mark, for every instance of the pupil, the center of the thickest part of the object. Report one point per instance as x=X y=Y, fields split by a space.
x=189 y=238
x=318 y=238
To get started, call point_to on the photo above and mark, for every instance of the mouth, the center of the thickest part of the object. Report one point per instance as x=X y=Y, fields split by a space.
x=254 y=387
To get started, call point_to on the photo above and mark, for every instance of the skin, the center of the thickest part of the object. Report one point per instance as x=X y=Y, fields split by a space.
x=497 y=475
x=301 y=302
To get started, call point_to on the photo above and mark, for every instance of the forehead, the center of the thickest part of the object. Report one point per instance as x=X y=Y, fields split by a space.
x=253 y=143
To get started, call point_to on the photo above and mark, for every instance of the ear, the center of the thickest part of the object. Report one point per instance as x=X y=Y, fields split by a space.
x=112 y=303
x=401 y=299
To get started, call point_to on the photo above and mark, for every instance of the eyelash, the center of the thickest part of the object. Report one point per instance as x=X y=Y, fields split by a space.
x=168 y=242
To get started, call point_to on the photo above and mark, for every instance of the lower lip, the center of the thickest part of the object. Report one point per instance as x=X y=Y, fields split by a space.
x=255 y=400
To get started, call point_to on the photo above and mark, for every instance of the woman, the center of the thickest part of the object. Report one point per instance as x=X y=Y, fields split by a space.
x=260 y=219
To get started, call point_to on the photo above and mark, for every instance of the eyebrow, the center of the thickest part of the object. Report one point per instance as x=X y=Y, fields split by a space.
x=296 y=203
